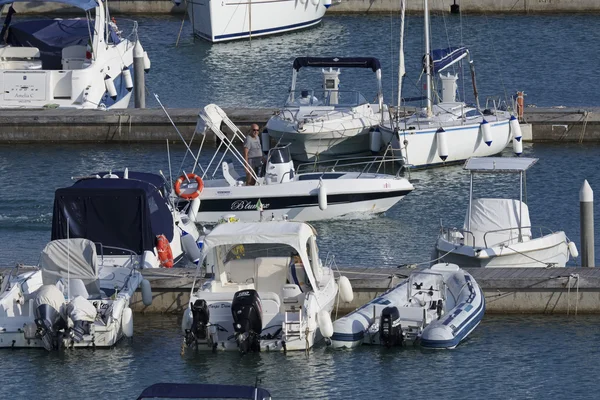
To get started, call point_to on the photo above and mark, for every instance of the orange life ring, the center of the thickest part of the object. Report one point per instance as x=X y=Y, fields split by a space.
x=165 y=254
x=188 y=196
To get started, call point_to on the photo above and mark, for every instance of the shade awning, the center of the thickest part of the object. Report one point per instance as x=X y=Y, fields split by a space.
x=83 y=4
x=203 y=391
x=338 y=62
x=499 y=164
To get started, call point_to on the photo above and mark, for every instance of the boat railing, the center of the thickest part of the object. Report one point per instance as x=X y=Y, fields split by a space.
x=132 y=254
x=372 y=164
x=450 y=234
x=519 y=234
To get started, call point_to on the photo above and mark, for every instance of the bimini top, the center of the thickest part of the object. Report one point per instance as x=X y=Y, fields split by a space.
x=499 y=164
x=83 y=4
x=125 y=213
x=294 y=234
x=202 y=391
x=346 y=62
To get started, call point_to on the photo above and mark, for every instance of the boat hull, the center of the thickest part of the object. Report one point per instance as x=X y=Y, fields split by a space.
x=236 y=19
x=418 y=148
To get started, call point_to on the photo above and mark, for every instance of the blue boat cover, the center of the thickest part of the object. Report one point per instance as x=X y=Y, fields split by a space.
x=443 y=58
x=346 y=62
x=203 y=391
x=50 y=36
x=125 y=213
x=83 y=4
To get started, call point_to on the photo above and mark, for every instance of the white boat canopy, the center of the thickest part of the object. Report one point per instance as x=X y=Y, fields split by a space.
x=294 y=234
x=499 y=164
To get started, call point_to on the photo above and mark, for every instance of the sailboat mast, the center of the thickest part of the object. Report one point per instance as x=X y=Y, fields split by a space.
x=427 y=58
x=401 y=69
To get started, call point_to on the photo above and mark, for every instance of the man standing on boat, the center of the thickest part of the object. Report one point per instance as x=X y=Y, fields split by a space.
x=253 y=154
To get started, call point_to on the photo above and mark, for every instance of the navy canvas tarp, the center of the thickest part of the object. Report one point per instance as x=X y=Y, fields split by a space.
x=203 y=391
x=443 y=58
x=124 y=213
x=83 y=4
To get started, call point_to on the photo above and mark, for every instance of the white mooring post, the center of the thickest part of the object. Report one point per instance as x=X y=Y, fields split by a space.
x=586 y=216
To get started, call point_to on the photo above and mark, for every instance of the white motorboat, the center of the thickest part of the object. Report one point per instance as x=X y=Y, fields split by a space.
x=328 y=122
x=449 y=131
x=238 y=19
x=437 y=307
x=498 y=232
x=83 y=63
x=76 y=298
x=269 y=289
x=284 y=192
x=130 y=211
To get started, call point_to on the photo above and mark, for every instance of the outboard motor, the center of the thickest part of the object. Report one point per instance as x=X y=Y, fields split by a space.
x=280 y=167
x=48 y=318
x=83 y=314
x=390 y=330
x=246 y=308
x=200 y=318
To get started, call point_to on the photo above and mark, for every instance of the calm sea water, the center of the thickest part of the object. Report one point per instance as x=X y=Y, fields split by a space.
x=506 y=357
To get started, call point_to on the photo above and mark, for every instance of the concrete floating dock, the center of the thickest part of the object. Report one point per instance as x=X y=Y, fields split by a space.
x=152 y=125
x=358 y=6
x=507 y=290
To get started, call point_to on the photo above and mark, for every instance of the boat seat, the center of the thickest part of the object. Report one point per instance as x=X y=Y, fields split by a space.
x=413 y=316
x=230 y=175
x=271 y=273
x=73 y=57
x=495 y=222
x=19 y=53
x=240 y=271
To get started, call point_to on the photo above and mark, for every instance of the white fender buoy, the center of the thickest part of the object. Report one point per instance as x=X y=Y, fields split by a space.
x=486 y=132
x=345 y=288
x=146 y=293
x=375 y=137
x=186 y=321
x=315 y=2
x=190 y=248
x=322 y=197
x=110 y=87
x=146 y=62
x=325 y=324
x=193 y=210
x=127 y=322
x=517 y=147
x=442 y=144
x=128 y=80
x=265 y=140
x=303 y=1
x=515 y=128
x=573 y=250
x=327 y=3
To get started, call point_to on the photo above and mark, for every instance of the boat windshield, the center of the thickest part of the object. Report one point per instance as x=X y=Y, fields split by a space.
x=334 y=98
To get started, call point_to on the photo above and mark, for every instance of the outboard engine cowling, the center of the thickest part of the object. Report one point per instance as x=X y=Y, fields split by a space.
x=246 y=308
x=48 y=318
x=83 y=314
x=390 y=330
x=200 y=318
x=280 y=167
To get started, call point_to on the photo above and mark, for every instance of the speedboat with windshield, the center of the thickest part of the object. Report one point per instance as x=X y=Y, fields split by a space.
x=498 y=232
x=328 y=123
x=447 y=131
x=83 y=63
x=344 y=189
x=267 y=289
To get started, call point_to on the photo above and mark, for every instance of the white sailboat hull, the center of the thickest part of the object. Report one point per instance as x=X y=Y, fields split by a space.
x=219 y=21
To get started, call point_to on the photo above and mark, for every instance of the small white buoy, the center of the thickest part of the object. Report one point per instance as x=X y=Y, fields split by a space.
x=486 y=132
x=186 y=321
x=128 y=80
x=327 y=3
x=322 y=196
x=146 y=293
x=375 y=137
x=345 y=288
x=265 y=140
x=325 y=324
x=517 y=147
x=515 y=128
x=315 y=2
x=127 y=322
x=573 y=250
x=110 y=87
x=190 y=248
x=442 y=144
x=126 y=173
x=146 y=62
